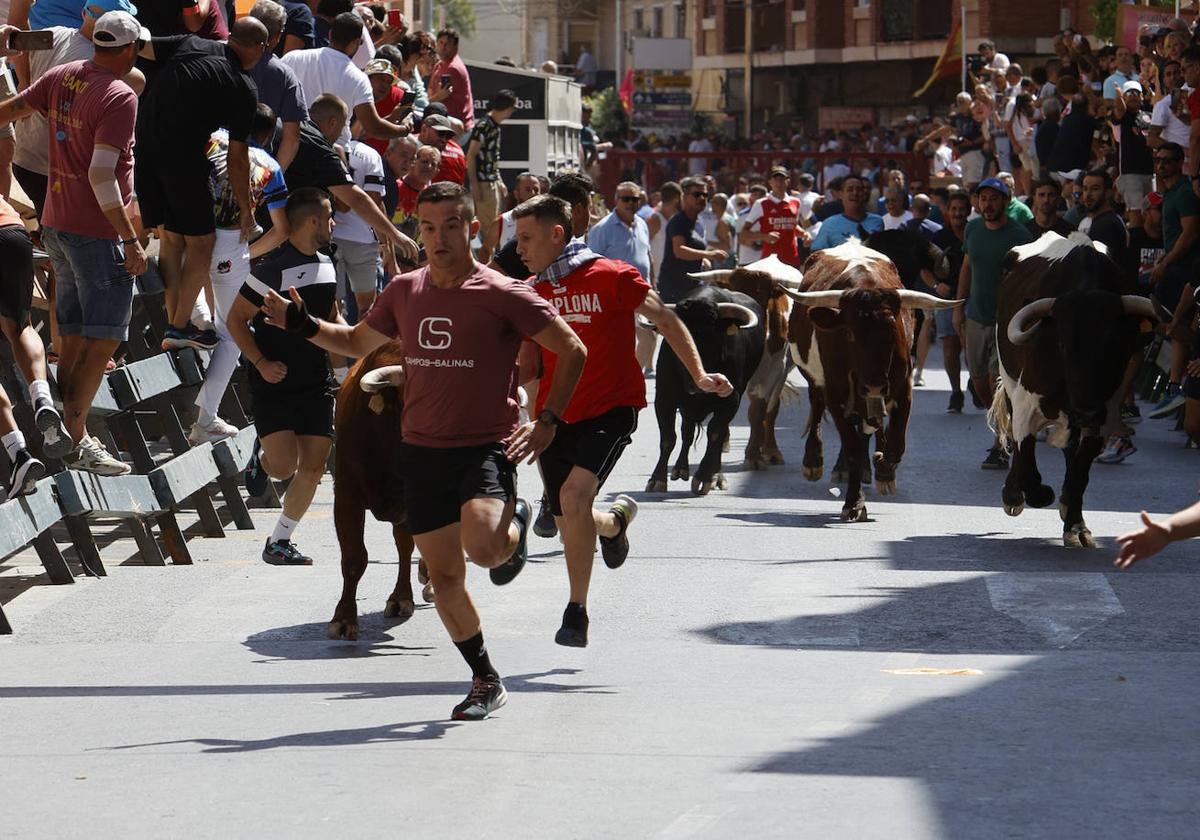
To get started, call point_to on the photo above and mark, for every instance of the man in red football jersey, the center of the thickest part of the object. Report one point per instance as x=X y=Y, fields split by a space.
x=774 y=221
x=597 y=297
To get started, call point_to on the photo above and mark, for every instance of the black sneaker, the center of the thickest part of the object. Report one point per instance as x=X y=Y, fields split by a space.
x=256 y=477
x=573 y=632
x=56 y=440
x=487 y=694
x=956 y=403
x=543 y=524
x=175 y=338
x=614 y=550
x=1131 y=414
x=25 y=474
x=284 y=553
x=996 y=460
x=510 y=568
x=978 y=403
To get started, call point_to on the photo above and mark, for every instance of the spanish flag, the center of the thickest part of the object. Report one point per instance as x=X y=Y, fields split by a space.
x=625 y=92
x=950 y=63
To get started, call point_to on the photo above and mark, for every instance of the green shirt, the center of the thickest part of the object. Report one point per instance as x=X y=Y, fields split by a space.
x=1019 y=211
x=1178 y=202
x=987 y=248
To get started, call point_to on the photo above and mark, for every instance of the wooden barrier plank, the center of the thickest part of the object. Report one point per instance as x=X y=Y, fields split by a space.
x=116 y=495
x=24 y=518
x=184 y=475
x=191 y=365
x=139 y=381
x=232 y=454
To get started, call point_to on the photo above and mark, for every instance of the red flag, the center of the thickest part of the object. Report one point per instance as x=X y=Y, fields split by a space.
x=625 y=92
x=950 y=62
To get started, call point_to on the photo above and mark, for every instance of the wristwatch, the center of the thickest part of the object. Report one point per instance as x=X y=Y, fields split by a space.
x=548 y=417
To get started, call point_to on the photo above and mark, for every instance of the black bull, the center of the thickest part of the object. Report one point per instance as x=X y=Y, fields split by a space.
x=727 y=328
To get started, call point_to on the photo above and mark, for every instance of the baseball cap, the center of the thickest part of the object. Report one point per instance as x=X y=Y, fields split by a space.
x=779 y=170
x=380 y=66
x=434 y=108
x=993 y=184
x=1132 y=84
x=439 y=124
x=96 y=8
x=118 y=29
x=1153 y=199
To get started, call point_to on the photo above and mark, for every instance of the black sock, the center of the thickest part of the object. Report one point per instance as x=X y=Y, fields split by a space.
x=476 y=655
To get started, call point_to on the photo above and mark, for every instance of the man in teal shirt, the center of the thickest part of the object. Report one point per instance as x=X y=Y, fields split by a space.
x=985 y=242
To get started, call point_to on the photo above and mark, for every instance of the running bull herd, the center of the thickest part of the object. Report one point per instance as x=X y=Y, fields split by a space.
x=1068 y=325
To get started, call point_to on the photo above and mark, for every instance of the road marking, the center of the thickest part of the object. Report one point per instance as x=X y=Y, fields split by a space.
x=934 y=672
x=1061 y=608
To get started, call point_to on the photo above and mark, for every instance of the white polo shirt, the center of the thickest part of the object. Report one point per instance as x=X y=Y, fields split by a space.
x=326 y=70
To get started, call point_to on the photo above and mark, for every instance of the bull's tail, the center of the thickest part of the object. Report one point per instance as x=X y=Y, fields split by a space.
x=1000 y=414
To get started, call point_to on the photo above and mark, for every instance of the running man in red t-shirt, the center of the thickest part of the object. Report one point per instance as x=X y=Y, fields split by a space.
x=774 y=220
x=597 y=297
x=462 y=325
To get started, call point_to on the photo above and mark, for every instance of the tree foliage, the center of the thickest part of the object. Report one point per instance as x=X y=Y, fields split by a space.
x=1104 y=13
x=608 y=114
x=460 y=15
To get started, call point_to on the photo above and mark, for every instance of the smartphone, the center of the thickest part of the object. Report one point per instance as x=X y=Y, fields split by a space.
x=24 y=40
x=394 y=18
x=409 y=97
x=445 y=80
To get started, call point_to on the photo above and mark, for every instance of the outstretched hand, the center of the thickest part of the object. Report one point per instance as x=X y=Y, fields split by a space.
x=1138 y=545
x=286 y=315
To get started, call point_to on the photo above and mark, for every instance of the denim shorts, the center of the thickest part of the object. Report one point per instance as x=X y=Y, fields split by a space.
x=95 y=292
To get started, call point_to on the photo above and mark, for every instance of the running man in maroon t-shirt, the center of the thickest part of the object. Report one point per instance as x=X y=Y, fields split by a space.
x=462 y=325
x=598 y=298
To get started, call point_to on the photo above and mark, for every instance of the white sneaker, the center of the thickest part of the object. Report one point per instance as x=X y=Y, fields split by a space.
x=217 y=430
x=91 y=456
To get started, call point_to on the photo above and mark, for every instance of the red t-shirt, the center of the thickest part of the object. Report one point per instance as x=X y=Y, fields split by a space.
x=460 y=103
x=598 y=301
x=454 y=164
x=460 y=353
x=1193 y=103
x=782 y=215
x=384 y=108
x=84 y=105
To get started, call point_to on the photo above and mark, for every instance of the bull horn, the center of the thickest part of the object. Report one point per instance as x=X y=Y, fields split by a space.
x=744 y=315
x=921 y=300
x=713 y=278
x=1138 y=305
x=382 y=378
x=788 y=283
x=1026 y=320
x=828 y=299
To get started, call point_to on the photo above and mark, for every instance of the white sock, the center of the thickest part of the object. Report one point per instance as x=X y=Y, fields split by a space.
x=283 y=528
x=39 y=389
x=340 y=374
x=13 y=442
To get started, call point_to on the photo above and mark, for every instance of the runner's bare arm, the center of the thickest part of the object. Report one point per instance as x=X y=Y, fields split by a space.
x=14 y=109
x=340 y=339
x=273 y=238
x=289 y=144
x=238 y=163
x=377 y=126
x=530 y=440
x=676 y=335
x=362 y=204
x=238 y=324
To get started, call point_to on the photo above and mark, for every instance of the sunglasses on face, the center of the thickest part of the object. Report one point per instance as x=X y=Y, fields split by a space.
x=628 y=199
x=1167 y=160
x=698 y=195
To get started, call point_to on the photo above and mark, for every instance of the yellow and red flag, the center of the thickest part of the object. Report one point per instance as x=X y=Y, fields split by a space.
x=625 y=92
x=950 y=62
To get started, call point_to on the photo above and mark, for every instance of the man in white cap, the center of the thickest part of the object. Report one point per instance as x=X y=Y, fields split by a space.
x=1136 y=162
x=86 y=219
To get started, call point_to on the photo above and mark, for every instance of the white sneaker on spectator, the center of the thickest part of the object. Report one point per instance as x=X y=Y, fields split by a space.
x=216 y=430
x=91 y=456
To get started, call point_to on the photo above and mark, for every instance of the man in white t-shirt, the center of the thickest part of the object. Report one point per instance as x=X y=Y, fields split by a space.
x=699 y=166
x=807 y=195
x=331 y=70
x=1165 y=126
x=749 y=252
x=838 y=169
x=997 y=62
x=358 y=253
x=898 y=214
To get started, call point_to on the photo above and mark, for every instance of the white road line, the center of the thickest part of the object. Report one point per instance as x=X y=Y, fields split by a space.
x=1061 y=608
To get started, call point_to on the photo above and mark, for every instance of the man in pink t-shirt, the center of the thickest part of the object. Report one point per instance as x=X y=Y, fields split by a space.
x=462 y=325
x=450 y=74
x=86 y=227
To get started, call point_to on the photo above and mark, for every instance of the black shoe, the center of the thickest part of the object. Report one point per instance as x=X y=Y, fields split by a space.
x=996 y=460
x=573 y=632
x=25 y=474
x=1131 y=414
x=284 y=553
x=956 y=403
x=978 y=403
x=510 y=568
x=256 y=477
x=614 y=550
x=56 y=440
x=544 y=525
x=487 y=694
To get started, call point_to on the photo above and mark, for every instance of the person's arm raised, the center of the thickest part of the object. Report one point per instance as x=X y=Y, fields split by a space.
x=340 y=339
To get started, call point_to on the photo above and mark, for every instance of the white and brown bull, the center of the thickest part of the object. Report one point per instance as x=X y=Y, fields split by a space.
x=1067 y=326
x=850 y=335
x=765 y=281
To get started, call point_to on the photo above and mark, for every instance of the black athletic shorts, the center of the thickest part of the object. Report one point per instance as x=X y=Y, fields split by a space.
x=176 y=195
x=308 y=415
x=438 y=482
x=594 y=444
x=16 y=273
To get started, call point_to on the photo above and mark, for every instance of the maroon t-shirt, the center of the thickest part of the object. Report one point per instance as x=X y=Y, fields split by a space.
x=460 y=353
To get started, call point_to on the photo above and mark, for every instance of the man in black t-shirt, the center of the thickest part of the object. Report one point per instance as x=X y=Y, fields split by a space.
x=1146 y=242
x=684 y=251
x=200 y=86
x=1101 y=222
x=290 y=383
x=1046 y=196
x=1137 y=166
x=950 y=240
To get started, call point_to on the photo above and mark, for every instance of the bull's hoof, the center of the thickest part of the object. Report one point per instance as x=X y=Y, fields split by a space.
x=1078 y=536
x=722 y=482
x=342 y=630
x=1014 y=510
x=1040 y=496
x=427 y=593
x=701 y=488
x=775 y=458
x=400 y=609
x=885 y=488
x=1014 y=502
x=854 y=513
x=656 y=486
x=422 y=572
x=725 y=445
x=813 y=473
x=755 y=462
x=681 y=473
x=839 y=476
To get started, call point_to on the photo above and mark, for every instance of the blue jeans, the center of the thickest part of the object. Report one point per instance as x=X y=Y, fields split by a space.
x=95 y=292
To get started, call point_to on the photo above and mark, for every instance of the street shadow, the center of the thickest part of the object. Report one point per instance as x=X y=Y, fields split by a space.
x=786 y=520
x=388 y=733
x=311 y=641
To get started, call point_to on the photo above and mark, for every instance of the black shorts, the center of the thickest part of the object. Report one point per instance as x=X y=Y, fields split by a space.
x=438 y=482
x=594 y=444
x=176 y=195
x=309 y=415
x=16 y=273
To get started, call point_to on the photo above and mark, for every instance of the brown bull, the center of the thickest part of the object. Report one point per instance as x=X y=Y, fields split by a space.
x=850 y=336
x=365 y=478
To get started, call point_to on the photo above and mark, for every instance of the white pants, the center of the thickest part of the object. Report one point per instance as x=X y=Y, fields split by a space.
x=229 y=270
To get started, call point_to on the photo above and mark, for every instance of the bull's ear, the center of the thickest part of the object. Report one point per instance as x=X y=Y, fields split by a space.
x=825 y=318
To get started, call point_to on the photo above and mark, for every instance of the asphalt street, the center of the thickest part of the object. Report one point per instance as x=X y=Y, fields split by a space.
x=756 y=669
